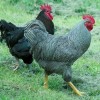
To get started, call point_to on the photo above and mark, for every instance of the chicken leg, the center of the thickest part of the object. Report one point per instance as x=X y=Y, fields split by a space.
x=16 y=66
x=30 y=67
x=70 y=83
x=75 y=89
x=46 y=81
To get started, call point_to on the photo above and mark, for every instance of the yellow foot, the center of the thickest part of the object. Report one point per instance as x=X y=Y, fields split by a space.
x=16 y=66
x=46 y=81
x=45 y=86
x=80 y=93
x=75 y=89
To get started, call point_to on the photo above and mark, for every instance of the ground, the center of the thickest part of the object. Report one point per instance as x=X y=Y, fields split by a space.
x=21 y=85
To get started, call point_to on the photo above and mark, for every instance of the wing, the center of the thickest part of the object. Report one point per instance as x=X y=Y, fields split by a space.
x=21 y=51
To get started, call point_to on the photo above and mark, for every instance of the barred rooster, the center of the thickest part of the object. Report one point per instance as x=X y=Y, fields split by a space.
x=56 y=54
x=19 y=46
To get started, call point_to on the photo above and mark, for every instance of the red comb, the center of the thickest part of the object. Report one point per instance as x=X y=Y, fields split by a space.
x=91 y=18
x=45 y=7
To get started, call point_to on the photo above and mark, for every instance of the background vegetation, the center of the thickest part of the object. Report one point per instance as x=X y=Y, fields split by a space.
x=22 y=85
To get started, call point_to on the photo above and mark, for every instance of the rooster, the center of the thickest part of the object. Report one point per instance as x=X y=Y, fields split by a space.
x=14 y=36
x=56 y=54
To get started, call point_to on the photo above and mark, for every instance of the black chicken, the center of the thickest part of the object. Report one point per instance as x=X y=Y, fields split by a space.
x=14 y=36
x=56 y=54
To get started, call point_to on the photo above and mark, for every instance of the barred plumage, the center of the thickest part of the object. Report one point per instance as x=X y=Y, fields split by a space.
x=53 y=52
x=56 y=54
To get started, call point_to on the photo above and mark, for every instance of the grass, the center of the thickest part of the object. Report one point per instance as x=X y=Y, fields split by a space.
x=22 y=85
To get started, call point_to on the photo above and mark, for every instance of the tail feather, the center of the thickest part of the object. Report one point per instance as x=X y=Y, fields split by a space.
x=10 y=32
x=5 y=26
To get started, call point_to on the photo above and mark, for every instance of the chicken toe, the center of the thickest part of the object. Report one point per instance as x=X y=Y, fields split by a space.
x=75 y=89
x=16 y=66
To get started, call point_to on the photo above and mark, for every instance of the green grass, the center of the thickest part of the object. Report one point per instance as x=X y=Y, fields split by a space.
x=22 y=85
